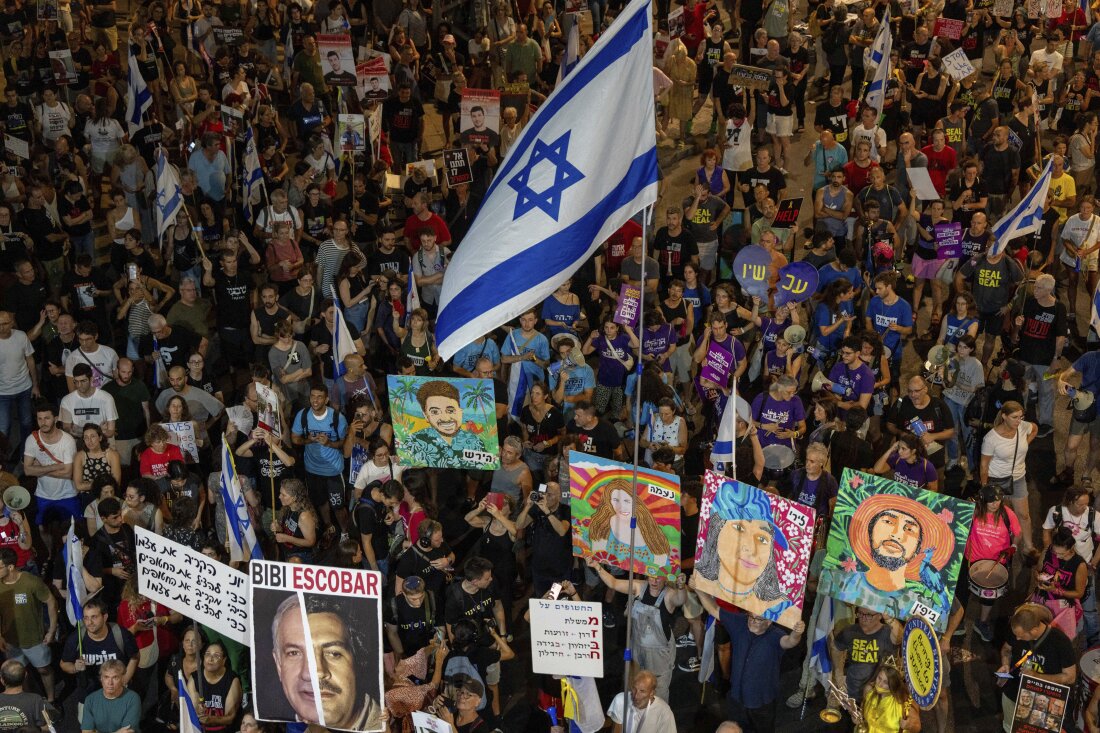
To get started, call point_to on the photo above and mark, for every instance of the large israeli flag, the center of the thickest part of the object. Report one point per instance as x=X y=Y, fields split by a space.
x=241 y=533
x=880 y=55
x=1026 y=217
x=138 y=97
x=574 y=176
x=169 y=195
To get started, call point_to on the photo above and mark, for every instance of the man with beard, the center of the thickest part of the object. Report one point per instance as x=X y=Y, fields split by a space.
x=132 y=399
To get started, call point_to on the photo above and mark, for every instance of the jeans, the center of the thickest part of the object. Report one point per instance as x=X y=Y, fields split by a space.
x=962 y=430
x=1045 y=411
x=83 y=244
x=357 y=314
x=16 y=407
x=404 y=153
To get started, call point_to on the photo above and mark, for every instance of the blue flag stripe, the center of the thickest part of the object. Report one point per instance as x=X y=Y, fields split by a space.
x=558 y=252
x=632 y=31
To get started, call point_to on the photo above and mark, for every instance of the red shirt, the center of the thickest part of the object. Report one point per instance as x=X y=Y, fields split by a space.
x=156 y=464
x=939 y=165
x=618 y=245
x=413 y=225
x=9 y=537
x=858 y=177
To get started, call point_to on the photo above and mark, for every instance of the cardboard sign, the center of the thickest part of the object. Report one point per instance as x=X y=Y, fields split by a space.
x=373 y=79
x=204 y=590
x=337 y=60
x=1003 y=8
x=751 y=77
x=787 y=216
x=948 y=240
x=229 y=36
x=1034 y=9
x=921 y=182
x=425 y=723
x=948 y=28
x=764 y=572
x=302 y=614
x=717 y=365
x=444 y=423
x=63 y=68
x=922 y=662
x=1054 y=9
x=597 y=486
x=626 y=309
x=957 y=65
x=479 y=120
x=17 y=147
x=566 y=638
x=351 y=131
x=182 y=435
x=914 y=574
x=456 y=167
x=267 y=414
x=1040 y=706
x=676 y=23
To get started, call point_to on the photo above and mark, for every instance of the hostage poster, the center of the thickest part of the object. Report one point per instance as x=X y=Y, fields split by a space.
x=444 y=423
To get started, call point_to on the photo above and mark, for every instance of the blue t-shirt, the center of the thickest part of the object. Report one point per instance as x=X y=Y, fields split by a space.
x=882 y=316
x=827 y=274
x=828 y=344
x=467 y=356
x=559 y=317
x=516 y=345
x=580 y=378
x=322 y=460
x=755 y=660
x=1088 y=364
x=698 y=298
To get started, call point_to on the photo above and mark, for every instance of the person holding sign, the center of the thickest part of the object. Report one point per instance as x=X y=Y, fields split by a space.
x=1036 y=649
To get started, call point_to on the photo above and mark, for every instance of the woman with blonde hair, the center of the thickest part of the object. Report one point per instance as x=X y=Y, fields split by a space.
x=887 y=706
x=609 y=530
x=682 y=70
x=1004 y=463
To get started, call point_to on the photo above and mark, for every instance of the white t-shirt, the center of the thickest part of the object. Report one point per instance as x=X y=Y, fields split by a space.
x=96 y=409
x=63 y=451
x=1052 y=60
x=105 y=136
x=15 y=377
x=1001 y=451
x=54 y=120
x=876 y=136
x=103 y=361
x=373 y=472
x=656 y=717
x=1078 y=526
x=737 y=156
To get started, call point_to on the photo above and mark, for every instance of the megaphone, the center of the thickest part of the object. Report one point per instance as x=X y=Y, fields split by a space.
x=1080 y=399
x=794 y=335
x=16 y=497
x=818 y=382
x=939 y=354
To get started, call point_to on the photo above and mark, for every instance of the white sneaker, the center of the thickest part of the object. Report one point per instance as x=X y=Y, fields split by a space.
x=685 y=640
x=691 y=665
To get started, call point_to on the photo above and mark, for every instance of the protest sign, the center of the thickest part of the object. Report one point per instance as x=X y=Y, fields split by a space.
x=228 y=36
x=957 y=65
x=750 y=267
x=566 y=638
x=427 y=167
x=267 y=412
x=351 y=131
x=301 y=612
x=787 y=215
x=797 y=282
x=233 y=121
x=753 y=549
x=1003 y=8
x=948 y=28
x=717 y=365
x=601 y=496
x=336 y=59
x=626 y=309
x=1034 y=8
x=895 y=549
x=676 y=23
x=1053 y=9
x=921 y=182
x=456 y=167
x=922 y=662
x=205 y=590
x=479 y=118
x=1040 y=706
x=182 y=435
x=425 y=723
x=373 y=79
x=751 y=77
x=63 y=68
x=444 y=423
x=948 y=240
x=515 y=96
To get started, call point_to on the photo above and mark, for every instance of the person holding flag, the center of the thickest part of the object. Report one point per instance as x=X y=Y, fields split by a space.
x=240 y=529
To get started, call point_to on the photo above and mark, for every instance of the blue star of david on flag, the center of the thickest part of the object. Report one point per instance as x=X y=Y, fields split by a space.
x=565 y=175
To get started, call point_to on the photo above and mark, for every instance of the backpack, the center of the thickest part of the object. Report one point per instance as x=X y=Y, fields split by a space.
x=1091 y=523
x=116 y=634
x=303 y=422
x=456 y=664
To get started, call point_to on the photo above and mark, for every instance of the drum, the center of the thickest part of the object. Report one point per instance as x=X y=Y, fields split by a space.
x=988 y=579
x=778 y=463
x=1090 y=667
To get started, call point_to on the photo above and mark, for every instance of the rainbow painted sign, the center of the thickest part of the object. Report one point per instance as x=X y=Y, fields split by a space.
x=602 y=499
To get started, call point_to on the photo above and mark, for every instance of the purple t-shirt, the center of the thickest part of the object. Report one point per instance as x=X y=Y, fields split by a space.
x=612 y=355
x=657 y=342
x=860 y=380
x=770 y=330
x=787 y=413
x=918 y=474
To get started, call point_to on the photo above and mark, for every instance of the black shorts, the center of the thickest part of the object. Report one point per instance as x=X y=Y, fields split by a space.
x=991 y=324
x=326 y=490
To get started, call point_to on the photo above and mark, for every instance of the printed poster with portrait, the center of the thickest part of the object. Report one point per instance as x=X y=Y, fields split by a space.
x=601 y=501
x=479 y=122
x=351 y=131
x=444 y=423
x=337 y=61
x=373 y=80
x=753 y=549
x=894 y=548
x=317 y=635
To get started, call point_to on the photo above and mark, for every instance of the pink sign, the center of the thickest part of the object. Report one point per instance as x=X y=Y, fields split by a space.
x=626 y=310
x=948 y=28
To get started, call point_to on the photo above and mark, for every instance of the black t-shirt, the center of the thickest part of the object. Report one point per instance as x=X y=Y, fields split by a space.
x=18 y=119
x=174 y=349
x=460 y=604
x=417 y=561
x=834 y=119
x=977 y=193
x=673 y=252
x=26 y=302
x=773 y=179
x=402 y=119
x=146 y=141
x=689 y=531
x=1039 y=334
x=307 y=121
x=555 y=552
x=81 y=291
x=234 y=295
x=382 y=263
x=599 y=440
x=934 y=415
x=997 y=169
x=39 y=224
x=116 y=550
x=1050 y=654
x=12 y=249
x=95 y=653
x=415 y=626
x=370 y=518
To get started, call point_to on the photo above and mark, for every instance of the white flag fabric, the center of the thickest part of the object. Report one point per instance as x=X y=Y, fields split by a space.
x=412 y=295
x=1026 y=216
x=1095 y=320
x=189 y=719
x=573 y=177
x=342 y=344
x=138 y=97
x=253 y=181
x=76 y=590
x=572 y=54
x=238 y=523
x=169 y=195
x=883 y=45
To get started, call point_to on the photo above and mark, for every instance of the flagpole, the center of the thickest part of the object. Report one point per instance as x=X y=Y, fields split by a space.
x=627 y=653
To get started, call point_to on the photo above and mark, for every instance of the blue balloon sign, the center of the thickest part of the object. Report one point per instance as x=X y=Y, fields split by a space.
x=750 y=267
x=797 y=282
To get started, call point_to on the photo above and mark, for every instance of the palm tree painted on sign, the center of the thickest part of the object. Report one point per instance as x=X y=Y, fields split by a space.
x=481 y=399
x=405 y=392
